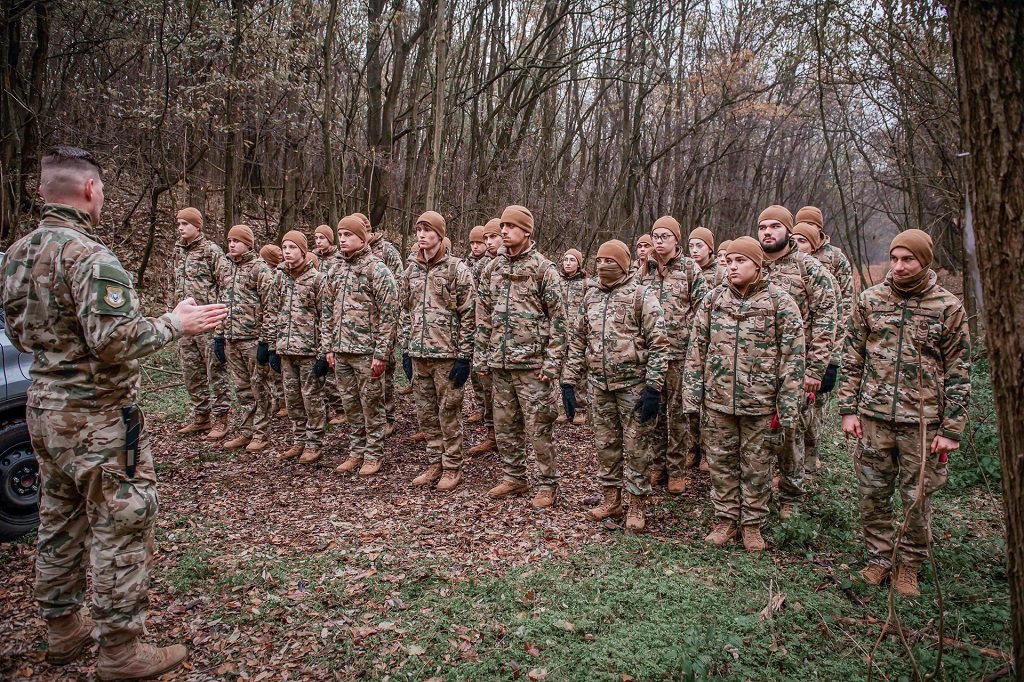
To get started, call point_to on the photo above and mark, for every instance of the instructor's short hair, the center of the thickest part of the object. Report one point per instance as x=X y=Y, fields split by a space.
x=71 y=158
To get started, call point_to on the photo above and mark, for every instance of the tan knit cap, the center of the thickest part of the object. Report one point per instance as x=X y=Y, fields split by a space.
x=296 y=238
x=364 y=220
x=242 y=233
x=326 y=231
x=191 y=215
x=519 y=216
x=645 y=239
x=476 y=234
x=617 y=251
x=776 y=212
x=667 y=222
x=810 y=232
x=724 y=245
x=435 y=221
x=810 y=214
x=354 y=225
x=918 y=242
x=575 y=253
x=749 y=247
x=703 y=234
x=271 y=254
x=492 y=226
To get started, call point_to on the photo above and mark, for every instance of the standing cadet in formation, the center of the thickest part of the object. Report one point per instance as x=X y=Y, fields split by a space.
x=618 y=341
x=236 y=340
x=723 y=251
x=70 y=303
x=329 y=256
x=521 y=337
x=194 y=266
x=575 y=282
x=482 y=383
x=904 y=393
x=807 y=281
x=644 y=244
x=298 y=348
x=702 y=251
x=358 y=316
x=477 y=247
x=438 y=302
x=745 y=373
x=678 y=282
x=271 y=285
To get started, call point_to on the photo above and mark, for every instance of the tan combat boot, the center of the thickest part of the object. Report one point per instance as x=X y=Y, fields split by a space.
x=788 y=511
x=752 y=539
x=476 y=417
x=450 y=479
x=507 y=489
x=636 y=517
x=338 y=419
x=404 y=390
x=137 y=661
x=676 y=485
x=349 y=465
x=721 y=534
x=257 y=445
x=874 y=574
x=611 y=506
x=283 y=412
x=390 y=429
x=488 y=444
x=704 y=466
x=200 y=423
x=561 y=419
x=291 y=453
x=580 y=419
x=545 y=498
x=654 y=476
x=906 y=581
x=237 y=442
x=418 y=437
x=429 y=476
x=218 y=427
x=310 y=455
x=67 y=637
x=370 y=467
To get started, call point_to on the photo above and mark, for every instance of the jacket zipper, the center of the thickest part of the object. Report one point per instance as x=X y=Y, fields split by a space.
x=736 y=354
x=423 y=308
x=899 y=359
x=604 y=354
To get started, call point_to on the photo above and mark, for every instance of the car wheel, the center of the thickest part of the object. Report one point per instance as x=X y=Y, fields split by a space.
x=19 y=482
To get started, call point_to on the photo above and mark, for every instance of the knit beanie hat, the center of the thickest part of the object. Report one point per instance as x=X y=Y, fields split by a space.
x=271 y=254
x=364 y=220
x=476 y=234
x=446 y=245
x=326 y=231
x=810 y=232
x=296 y=238
x=776 y=212
x=354 y=225
x=492 y=226
x=435 y=221
x=575 y=254
x=617 y=251
x=667 y=222
x=519 y=216
x=749 y=247
x=811 y=214
x=645 y=239
x=703 y=234
x=918 y=242
x=191 y=215
x=242 y=233
x=724 y=246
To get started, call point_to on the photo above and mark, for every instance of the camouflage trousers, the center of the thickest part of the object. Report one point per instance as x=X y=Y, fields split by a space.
x=622 y=453
x=582 y=393
x=521 y=402
x=674 y=439
x=363 y=399
x=889 y=454
x=90 y=511
x=789 y=456
x=329 y=391
x=439 y=406
x=206 y=380
x=304 y=399
x=251 y=388
x=389 y=391
x=740 y=461
x=483 y=386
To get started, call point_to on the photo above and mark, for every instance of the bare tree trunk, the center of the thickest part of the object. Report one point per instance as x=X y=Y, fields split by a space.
x=233 y=146
x=441 y=41
x=988 y=48
x=327 y=122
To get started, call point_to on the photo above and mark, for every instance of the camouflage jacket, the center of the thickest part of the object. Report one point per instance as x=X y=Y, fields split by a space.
x=838 y=265
x=387 y=252
x=520 y=317
x=619 y=337
x=360 y=307
x=298 y=314
x=746 y=354
x=806 y=280
x=680 y=289
x=573 y=290
x=438 y=303
x=270 y=284
x=329 y=260
x=472 y=261
x=479 y=266
x=68 y=301
x=902 y=353
x=195 y=270
x=714 y=274
x=240 y=292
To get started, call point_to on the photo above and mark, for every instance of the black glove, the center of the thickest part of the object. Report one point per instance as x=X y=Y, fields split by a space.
x=460 y=372
x=218 y=349
x=274 y=361
x=569 y=400
x=321 y=367
x=648 y=404
x=407 y=366
x=828 y=382
x=262 y=353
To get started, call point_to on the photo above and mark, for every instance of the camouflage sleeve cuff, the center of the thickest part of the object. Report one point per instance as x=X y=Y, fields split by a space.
x=175 y=323
x=952 y=435
x=847 y=410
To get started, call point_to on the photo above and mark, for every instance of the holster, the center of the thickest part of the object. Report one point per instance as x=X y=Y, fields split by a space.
x=131 y=415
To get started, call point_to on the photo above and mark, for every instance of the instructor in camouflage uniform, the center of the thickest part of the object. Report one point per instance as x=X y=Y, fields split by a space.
x=69 y=302
x=904 y=393
x=521 y=337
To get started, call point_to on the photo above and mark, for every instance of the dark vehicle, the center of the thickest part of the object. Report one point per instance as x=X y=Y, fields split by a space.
x=19 y=471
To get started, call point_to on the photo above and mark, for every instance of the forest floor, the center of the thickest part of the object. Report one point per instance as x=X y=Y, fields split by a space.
x=274 y=572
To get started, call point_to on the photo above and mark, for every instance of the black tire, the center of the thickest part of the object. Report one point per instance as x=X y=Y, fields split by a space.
x=19 y=482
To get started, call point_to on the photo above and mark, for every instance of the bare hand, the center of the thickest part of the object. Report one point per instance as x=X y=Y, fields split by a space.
x=851 y=425
x=377 y=368
x=330 y=360
x=199 y=319
x=943 y=446
x=812 y=385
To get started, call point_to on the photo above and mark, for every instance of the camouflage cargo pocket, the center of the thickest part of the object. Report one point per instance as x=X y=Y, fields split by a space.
x=131 y=502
